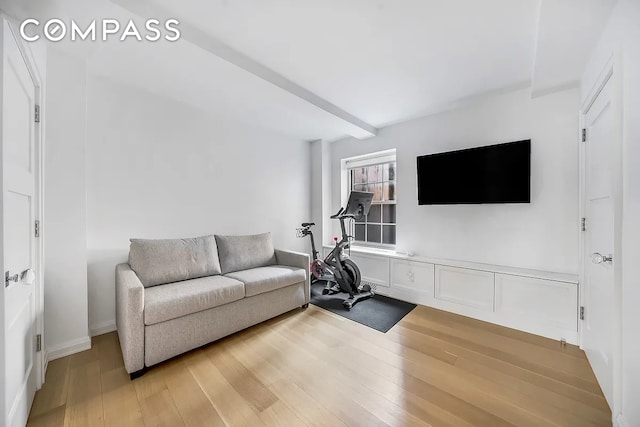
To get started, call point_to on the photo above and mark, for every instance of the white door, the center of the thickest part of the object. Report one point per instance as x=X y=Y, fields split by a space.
x=18 y=214
x=599 y=298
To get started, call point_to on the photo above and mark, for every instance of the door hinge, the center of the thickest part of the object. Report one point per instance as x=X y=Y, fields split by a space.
x=584 y=135
x=583 y=224
x=39 y=342
x=37 y=228
x=37 y=114
x=581 y=312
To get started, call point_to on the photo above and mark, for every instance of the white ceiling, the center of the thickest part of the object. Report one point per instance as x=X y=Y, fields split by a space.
x=568 y=32
x=382 y=60
x=329 y=68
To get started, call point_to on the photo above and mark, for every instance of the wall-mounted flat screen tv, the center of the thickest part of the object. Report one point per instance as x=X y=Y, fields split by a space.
x=492 y=174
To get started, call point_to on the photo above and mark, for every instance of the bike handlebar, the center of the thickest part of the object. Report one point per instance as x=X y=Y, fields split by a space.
x=337 y=214
x=340 y=215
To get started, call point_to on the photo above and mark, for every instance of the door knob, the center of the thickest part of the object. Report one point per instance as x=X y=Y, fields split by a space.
x=28 y=276
x=598 y=258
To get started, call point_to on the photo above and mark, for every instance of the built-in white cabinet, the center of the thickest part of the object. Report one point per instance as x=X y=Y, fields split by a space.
x=470 y=288
x=374 y=269
x=538 y=302
x=537 y=305
x=412 y=280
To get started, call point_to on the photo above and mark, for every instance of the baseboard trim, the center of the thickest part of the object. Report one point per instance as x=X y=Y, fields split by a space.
x=68 y=348
x=102 y=328
x=621 y=421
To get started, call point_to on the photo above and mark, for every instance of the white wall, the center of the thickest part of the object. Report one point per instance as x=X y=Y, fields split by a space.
x=542 y=235
x=623 y=33
x=317 y=190
x=64 y=226
x=320 y=192
x=158 y=169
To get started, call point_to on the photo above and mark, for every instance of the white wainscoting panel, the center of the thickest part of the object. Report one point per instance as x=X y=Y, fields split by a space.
x=472 y=288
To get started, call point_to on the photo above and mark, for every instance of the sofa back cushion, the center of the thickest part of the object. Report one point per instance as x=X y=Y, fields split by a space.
x=160 y=261
x=245 y=252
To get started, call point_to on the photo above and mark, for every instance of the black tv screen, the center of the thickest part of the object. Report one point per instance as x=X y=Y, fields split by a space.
x=492 y=174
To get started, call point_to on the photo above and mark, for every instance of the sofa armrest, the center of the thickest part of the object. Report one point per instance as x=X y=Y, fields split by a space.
x=296 y=259
x=130 y=317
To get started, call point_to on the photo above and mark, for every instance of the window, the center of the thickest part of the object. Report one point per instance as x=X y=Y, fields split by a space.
x=375 y=174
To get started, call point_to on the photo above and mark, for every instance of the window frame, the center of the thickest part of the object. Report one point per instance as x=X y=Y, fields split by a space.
x=372 y=159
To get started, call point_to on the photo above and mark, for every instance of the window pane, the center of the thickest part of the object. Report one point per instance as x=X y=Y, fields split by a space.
x=359 y=175
x=359 y=232
x=374 y=173
x=389 y=190
x=373 y=233
x=376 y=189
x=389 y=172
x=389 y=234
x=360 y=187
x=374 y=213
x=389 y=214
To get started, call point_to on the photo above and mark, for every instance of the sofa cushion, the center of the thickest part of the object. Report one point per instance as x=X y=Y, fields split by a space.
x=159 y=261
x=166 y=302
x=264 y=279
x=245 y=252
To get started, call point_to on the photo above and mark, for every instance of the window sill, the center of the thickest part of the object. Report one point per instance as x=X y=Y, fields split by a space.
x=370 y=250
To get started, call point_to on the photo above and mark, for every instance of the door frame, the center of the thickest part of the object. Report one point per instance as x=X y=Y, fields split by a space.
x=612 y=74
x=39 y=132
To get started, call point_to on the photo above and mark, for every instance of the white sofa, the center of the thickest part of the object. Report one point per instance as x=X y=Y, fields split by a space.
x=175 y=295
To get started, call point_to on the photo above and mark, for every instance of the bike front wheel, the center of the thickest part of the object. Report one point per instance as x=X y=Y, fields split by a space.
x=354 y=274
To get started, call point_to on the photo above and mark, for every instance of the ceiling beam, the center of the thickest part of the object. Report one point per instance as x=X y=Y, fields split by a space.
x=357 y=127
x=567 y=33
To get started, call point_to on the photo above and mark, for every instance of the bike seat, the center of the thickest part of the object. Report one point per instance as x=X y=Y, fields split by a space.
x=308 y=224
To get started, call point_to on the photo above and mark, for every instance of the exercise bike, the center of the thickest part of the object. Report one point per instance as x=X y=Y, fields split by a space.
x=339 y=272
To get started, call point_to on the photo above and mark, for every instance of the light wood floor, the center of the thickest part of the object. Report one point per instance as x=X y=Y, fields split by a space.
x=311 y=367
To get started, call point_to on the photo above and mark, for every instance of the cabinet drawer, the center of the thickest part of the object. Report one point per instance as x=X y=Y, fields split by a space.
x=472 y=288
x=412 y=275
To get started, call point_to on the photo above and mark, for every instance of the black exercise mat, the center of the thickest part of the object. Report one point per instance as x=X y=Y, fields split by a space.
x=378 y=312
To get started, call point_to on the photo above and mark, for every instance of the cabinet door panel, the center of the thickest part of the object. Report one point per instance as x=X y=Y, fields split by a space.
x=537 y=302
x=473 y=288
x=373 y=269
x=412 y=276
